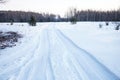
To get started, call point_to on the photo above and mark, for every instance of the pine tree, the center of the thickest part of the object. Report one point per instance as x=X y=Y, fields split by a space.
x=71 y=15
x=73 y=20
x=32 y=21
x=117 y=27
x=11 y=21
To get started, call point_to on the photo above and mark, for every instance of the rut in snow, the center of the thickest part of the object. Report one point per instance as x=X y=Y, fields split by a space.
x=55 y=57
x=90 y=66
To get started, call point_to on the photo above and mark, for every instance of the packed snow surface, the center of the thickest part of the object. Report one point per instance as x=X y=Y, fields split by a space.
x=62 y=51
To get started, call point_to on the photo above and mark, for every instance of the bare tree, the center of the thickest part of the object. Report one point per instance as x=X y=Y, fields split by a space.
x=71 y=14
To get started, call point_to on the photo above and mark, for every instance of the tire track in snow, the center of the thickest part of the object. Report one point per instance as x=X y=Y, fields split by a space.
x=26 y=69
x=39 y=68
x=60 y=60
x=92 y=67
x=56 y=57
x=17 y=61
x=50 y=67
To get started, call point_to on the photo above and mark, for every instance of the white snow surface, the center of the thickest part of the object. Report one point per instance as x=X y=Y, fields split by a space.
x=62 y=51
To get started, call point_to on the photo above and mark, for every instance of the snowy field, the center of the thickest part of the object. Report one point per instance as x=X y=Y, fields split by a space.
x=62 y=51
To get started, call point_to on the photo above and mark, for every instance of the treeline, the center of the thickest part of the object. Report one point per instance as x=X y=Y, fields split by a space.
x=87 y=15
x=20 y=16
x=91 y=15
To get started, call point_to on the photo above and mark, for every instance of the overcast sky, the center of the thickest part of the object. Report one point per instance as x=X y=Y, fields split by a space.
x=59 y=6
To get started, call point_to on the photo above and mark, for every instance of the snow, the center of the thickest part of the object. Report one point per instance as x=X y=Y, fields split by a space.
x=62 y=51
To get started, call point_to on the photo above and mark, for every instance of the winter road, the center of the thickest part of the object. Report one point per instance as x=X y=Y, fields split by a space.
x=53 y=56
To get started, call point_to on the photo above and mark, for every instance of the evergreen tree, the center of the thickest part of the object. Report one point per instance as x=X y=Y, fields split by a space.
x=71 y=15
x=32 y=21
x=73 y=20
x=11 y=21
x=117 y=27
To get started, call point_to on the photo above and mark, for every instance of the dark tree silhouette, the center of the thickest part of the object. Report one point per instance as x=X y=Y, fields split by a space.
x=117 y=27
x=11 y=21
x=71 y=15
x=21 y=16
x=32 y=21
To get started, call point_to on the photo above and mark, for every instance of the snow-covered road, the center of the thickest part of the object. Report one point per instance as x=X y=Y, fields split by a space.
x=51 y=55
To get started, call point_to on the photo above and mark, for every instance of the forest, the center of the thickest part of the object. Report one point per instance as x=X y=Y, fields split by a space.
x=83 y=15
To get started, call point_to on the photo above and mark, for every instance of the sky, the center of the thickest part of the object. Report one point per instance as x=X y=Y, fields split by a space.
x=59 y=6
